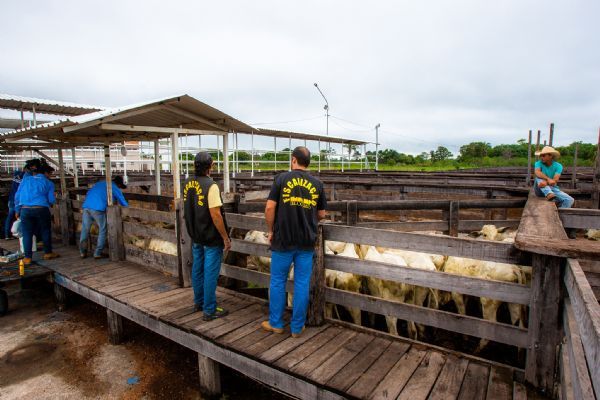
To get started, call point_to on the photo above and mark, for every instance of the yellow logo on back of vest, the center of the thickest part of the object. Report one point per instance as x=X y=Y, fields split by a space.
x=298 y=199
x=196 y=186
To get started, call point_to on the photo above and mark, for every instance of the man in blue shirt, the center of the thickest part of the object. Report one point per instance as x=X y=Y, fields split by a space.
x=547 y=174
x=33 y=200
x=17 y=178
x=94 y=209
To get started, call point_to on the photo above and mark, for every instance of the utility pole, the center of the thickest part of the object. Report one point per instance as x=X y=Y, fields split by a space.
x=377 y=147
x=326 y=108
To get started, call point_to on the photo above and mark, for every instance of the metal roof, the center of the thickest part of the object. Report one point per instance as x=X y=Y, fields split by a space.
x=15 y=123
x=306 y=136
x=113 y=125
x=45 y=106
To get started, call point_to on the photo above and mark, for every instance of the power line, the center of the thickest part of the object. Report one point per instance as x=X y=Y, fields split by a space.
x=286 y=122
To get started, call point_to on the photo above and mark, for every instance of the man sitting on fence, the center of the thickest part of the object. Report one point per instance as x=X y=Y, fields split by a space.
x=295 y=205
x=94 y=209
x=547 y=173
x=206 y=225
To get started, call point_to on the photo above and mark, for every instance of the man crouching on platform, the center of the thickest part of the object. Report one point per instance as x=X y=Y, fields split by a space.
x=206 y=225
x=295 y=205
x=547 y=174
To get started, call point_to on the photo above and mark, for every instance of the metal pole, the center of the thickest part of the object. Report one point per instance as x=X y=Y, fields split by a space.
x=75 y=169
x=327 y=126
x=528 y=178
x=290 y=153
x=252 y=154
x=187 y=164
x=218 y=154
x=226 y=188
x=34 y=117
x=342 y=154
x=234 y=154
x=319 y=155
x=175 y=165
x=377 y=147
x=22 y=119
x=596 y=178
x=109 y=194
x=157 y=166
x=275 y=152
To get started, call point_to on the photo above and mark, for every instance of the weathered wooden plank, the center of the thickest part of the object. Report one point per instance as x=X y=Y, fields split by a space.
x=450 y=379
x=505 y=291
x=341 y=357
x=500 y=385
x=115 y=233
x=184 y=247
x=313 y=361
x=289 y=344
x=245 y=247
x=424 y=377
x=270 y=376
x=148 y=215
x=393 y=383
x=246 y=221
x=159 y=261
x=544 y=322
x=210 y=375
x=115 y=327
x=477 y=249
x=316 y=306
x=475 y=382
x=140 y=230
x=587 y=314
x=580 y=218
x=300 y=353
x=248 y=275
x=580 y=377
x=467 y=325
x=367 y=382
x=566 y=381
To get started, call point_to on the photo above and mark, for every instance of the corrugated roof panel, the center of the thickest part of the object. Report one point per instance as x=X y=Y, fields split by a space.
x=45 y=106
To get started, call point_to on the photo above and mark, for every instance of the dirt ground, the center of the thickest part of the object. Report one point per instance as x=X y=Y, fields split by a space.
x=46 y=354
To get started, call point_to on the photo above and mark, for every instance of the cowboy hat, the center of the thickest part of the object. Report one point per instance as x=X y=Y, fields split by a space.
x=548 y=150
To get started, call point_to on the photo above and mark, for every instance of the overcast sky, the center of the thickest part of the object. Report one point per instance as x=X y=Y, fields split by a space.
x=431 y=72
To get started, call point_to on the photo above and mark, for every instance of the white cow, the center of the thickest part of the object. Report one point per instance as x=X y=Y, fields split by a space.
x=263 y=264
x=593 y=234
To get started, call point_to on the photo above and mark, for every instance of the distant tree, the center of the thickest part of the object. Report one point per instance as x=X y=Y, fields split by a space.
x=440 y=154
x=474 y=150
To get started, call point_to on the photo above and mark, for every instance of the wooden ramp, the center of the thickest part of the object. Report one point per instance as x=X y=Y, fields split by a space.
x=328 y=362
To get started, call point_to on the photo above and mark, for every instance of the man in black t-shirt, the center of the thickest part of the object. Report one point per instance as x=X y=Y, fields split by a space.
x=296 y=203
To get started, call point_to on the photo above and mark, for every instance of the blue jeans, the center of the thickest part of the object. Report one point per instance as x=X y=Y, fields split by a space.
x=34 y=220
x=280 y=268
x=10 y=217
x=562 y=199
x=88 y=218
x=205 y=274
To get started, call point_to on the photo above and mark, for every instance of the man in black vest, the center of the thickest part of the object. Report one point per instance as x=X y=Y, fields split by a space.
x=295 y=205
x=205 y=223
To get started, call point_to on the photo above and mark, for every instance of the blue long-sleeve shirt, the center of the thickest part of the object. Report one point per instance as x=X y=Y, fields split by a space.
x=17 y=178
x=96 y=198
x=34 y=191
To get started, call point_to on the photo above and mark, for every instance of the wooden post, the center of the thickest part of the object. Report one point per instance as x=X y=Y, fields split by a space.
x=75 y=169
x=61 y=172
x=551 y=136
x=537 y=141
x=63 y=215
x=351 y=212
x=175 y=165
x=596 y=178
x=60 y=294
x=184 y=250
x=226 y=188
x=545 y=331
x=529 y=166
x=453 y=218
x=114 y=225
x=108 y=175
x=157 y=166
x=574 y=173
x=316 y=307
x=210 y=375
x=115 y=327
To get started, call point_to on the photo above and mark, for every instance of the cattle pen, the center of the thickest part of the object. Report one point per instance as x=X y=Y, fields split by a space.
x=333 y=358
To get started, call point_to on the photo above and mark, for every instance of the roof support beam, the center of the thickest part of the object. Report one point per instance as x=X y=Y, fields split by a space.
x=50 y=160
x=111 y=117
x=195 y=117
x=158 y=129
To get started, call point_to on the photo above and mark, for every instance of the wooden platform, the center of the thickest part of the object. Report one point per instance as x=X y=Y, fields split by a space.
x=328 y=362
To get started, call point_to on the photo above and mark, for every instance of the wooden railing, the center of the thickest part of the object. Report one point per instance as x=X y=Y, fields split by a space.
x=496 y=251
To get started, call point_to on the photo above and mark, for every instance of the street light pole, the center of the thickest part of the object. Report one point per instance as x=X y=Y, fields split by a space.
x=377 y=147
x=326 y=108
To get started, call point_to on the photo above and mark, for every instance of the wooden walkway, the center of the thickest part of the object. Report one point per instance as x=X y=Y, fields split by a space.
x=328 y=362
